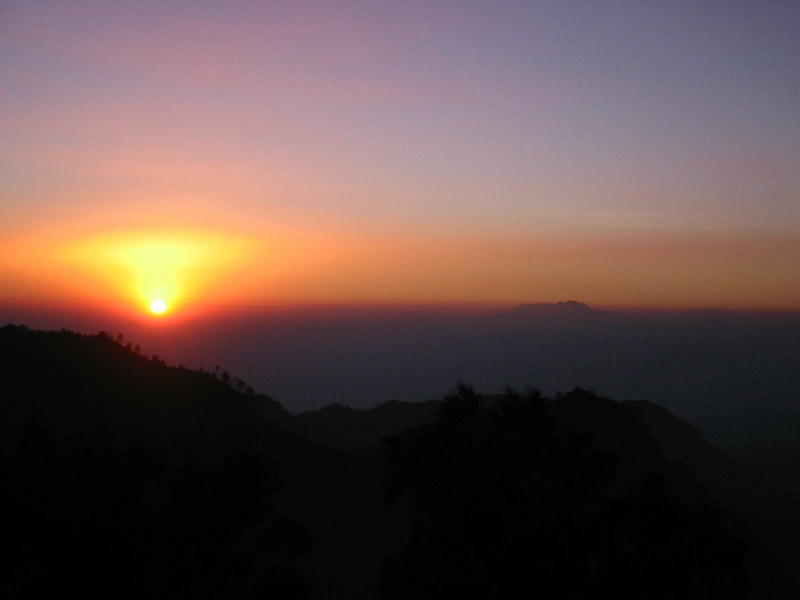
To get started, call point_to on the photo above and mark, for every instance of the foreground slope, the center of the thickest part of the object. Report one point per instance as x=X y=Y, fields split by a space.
x=125 y=478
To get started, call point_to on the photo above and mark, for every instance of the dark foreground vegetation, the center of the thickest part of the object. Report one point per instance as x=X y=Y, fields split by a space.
x=124 y=477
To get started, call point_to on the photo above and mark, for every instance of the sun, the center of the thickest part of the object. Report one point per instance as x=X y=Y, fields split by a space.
x=158 y=307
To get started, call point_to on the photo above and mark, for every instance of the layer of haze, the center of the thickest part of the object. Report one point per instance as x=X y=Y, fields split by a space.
x=623 y=153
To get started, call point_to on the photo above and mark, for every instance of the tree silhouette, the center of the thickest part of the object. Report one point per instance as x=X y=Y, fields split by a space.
x=505 y=500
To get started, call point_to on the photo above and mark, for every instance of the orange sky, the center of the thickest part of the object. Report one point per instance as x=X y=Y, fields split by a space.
x=126 y=267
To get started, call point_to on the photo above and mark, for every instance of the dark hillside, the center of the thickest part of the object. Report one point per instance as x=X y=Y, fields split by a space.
x=772 y=513
x=188 y=452
x=127 y=477
x=69 y=379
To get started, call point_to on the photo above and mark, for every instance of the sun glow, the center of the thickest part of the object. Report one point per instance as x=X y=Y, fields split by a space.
x=158 y=307
x=159 y=271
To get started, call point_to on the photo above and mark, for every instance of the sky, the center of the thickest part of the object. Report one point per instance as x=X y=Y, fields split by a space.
x=625 y=154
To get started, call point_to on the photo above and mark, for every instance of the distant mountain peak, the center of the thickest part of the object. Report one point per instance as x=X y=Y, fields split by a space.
x=570 y=307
